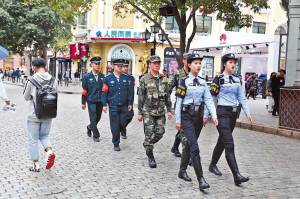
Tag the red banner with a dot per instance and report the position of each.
(79, 50)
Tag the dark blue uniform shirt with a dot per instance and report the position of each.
(92, 88)
(116, 92)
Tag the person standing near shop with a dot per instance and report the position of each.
(153, 98)
(192, 94)
(227, 91)
(92, 84)
(117, 94)
(182, 74)
(131, 82)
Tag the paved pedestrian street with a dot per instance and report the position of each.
(85, 169)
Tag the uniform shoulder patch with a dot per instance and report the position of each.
(181, 90)
(215, 86)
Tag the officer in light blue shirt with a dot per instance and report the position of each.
(227, 91)
(192, 94)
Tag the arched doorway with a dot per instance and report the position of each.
(122, 51)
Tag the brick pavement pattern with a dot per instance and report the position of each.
(85, 169)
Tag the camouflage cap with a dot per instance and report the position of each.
(186, 55)
(154, 58)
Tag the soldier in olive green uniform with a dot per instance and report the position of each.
(153, 98)
(182, 74)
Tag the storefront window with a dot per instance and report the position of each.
(259, 27)
(204, 24)
(171, 24)
(207, 67)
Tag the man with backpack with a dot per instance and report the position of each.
(41, 93)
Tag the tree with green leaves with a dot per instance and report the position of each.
(184, 12)
(35, 24)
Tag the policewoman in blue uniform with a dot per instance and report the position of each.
(131, 82)
(193, 99)
(92, 84)
(227, 91)
(116, 93)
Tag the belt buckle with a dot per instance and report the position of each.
(234, 109)
(196, 108)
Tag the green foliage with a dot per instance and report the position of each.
(37, 23)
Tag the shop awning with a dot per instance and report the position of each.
(3, 53)
(227, 39)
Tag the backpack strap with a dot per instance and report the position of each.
(51, 82)
(35, 82)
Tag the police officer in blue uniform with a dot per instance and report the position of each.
(227, 91)
(131, 82)
(116, 93)
(193, 99)
(92, 84)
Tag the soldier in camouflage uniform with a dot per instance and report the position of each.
(182, 74)
(153, 97)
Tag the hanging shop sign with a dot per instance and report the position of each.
(79, 50)
(117, 34)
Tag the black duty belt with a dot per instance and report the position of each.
(195, 108)
(229, 108)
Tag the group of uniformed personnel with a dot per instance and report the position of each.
(195, 103)
(116, 91)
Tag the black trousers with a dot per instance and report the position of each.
(227, 120)
(276, 98)
(192, 124)
(95, 112)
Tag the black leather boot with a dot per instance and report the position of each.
(151, 160)
(89, 131)
(214, 169)
(199, 173)
(239, 179)
(174, 149)
(231, 160)
(185, 157)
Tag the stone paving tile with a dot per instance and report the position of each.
(85, 169)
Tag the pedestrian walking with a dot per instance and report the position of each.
(182, 74)
(270, 100)
(3, 95)
(117, 94)
(227, 91)
(67, 77)
(192, 94)
(92, 84)
(59, 76)
(153, 98)
(41, 93)
(275, 88)
(253, 86)
(131, 82)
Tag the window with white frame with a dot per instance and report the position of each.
(171, 24)
(204, 24)
(259, 27)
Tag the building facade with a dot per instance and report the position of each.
(113, 37)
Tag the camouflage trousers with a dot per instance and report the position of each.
(154, 129)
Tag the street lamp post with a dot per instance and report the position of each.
(154, 30)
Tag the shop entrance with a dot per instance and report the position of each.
(121, 51)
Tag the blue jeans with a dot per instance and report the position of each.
(38, 131)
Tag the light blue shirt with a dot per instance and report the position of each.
(195, 95)
(231, 93)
